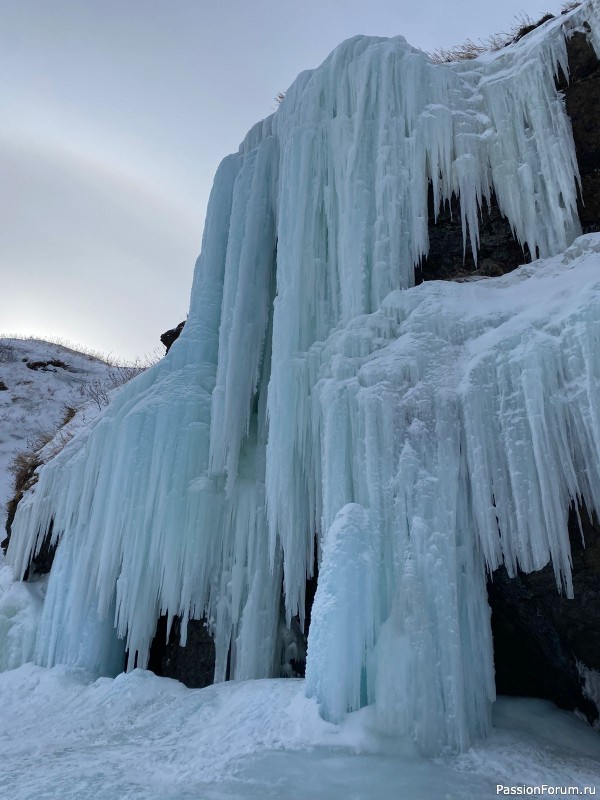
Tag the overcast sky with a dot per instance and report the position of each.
(114, 115)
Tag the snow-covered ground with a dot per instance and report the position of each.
(63, 735)
(35, 399)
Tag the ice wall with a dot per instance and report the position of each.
(412, 435)
(467, 418)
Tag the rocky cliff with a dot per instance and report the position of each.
(544, 643)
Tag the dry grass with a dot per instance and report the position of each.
(77, 349)
(521, 26)
(26, 462)
(23, 467)
(7, 352)
(460, 52)
(96, 355)
(98, 390)
(48, 443)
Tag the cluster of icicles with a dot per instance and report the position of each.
(415, 438)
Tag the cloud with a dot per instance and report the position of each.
(90, 250)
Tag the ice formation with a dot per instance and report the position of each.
(414, 437)
(139, 736)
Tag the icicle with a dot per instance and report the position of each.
(421, 435)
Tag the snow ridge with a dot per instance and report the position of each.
(419, 435)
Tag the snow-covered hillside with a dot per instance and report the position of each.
(39, 382)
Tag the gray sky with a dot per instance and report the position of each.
(114, 116)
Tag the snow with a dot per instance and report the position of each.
(35, 400)
(64, 735)
(421, 434)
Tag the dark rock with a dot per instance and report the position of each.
(293, 663)
(42, 561)
(447, 258)
(168, 337)
(48, 366)
(540, 636)
(528, 28)
(3, 387)
(490, 268)
(582, 97)
(499, 251)
(292, 641)
(194, 664)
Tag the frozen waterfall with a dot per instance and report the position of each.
(415, 436)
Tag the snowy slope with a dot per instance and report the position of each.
(35, 400)
(139, 737)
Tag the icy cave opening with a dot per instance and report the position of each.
(426, 434)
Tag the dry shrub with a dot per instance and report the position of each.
(98, 390)
(461, 52)
(22, 467)
(7, 352)
(25, 464)
(521, 26)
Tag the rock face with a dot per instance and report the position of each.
(194, 664)
(447, 260)
(540, 637)
(582, 96)
(168, 337)
(499, 251)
